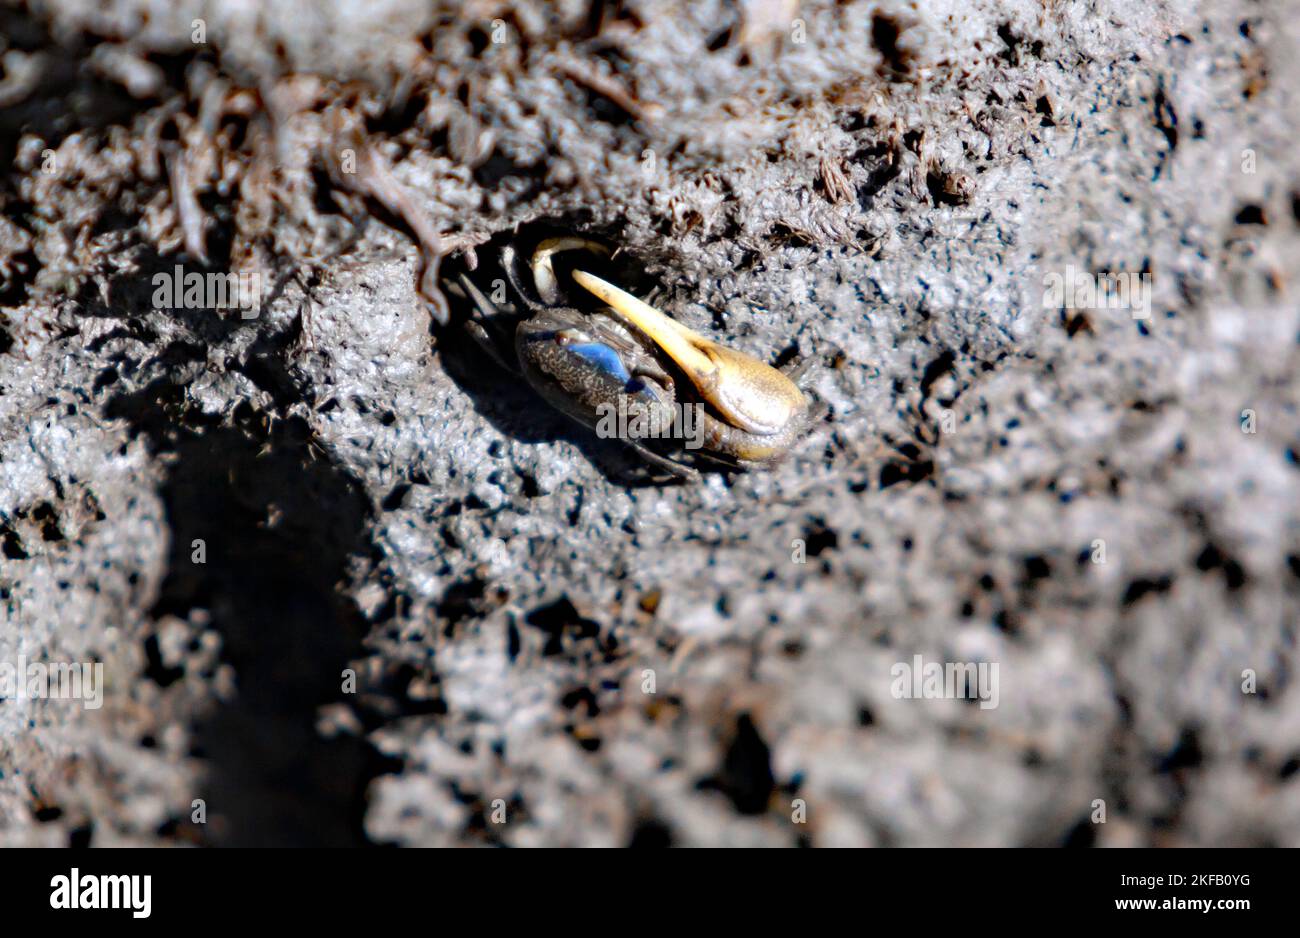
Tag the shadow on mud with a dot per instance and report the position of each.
(279, 524)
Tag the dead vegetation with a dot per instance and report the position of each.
(270, 145)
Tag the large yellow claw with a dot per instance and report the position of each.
(748, 393)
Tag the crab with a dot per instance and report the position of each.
(628, 355)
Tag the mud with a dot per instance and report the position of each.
(432, 611)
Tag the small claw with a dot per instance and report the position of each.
(748, 393)
(544, 271)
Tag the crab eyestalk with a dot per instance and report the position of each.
(746, 392)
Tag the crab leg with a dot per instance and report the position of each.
(748, 393)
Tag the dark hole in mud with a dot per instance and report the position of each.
(884, 37)
(893, 473)
(15, 289)
(884, 170)
(746, 775)
(11, 544)
(1043, 106)
(720, 40)
(818, 538)
(1143, 586)
(106, 378)
(393, 500)
(1166, 121)
(1251, 214)
(414, 691)
(1007, 622)
(1213, 558)
(478, 41)
(935, 370)
(45, 515)
(1075, 323)
(1186, 753)
(462, 600)
(1036, 568)
(48, 813)
(277, 523)
(559, 619)
(513, 641)
(529, 485)
(583, 696)
(399, 117)
(155, 669)
(1010, 40)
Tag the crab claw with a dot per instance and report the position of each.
(746, 392)
(544, 271)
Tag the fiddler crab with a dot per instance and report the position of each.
(617, 369)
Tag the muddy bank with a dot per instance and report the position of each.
(1100, 501)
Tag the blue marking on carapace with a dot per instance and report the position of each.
(603, 357)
